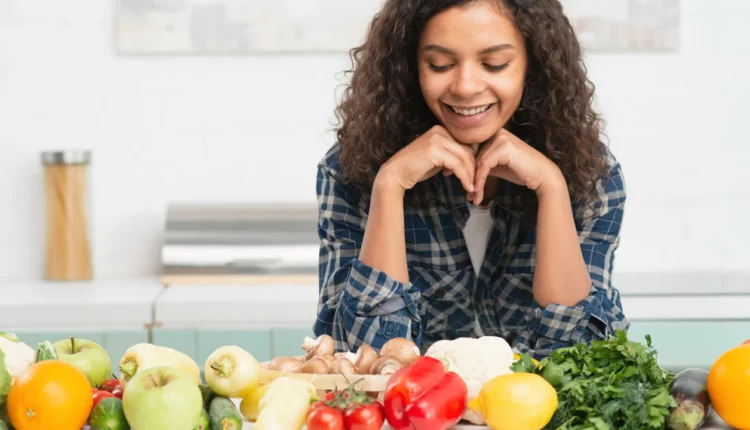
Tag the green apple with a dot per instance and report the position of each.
(162, 398)
(88, 356)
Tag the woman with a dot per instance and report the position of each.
(468, 193)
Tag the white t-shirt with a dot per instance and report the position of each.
(477, 234)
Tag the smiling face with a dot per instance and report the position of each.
(472, 64)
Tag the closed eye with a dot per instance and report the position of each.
(493, 68)
(437, 68)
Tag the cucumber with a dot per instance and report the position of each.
(208, 395)
(203, 423)
(45, 351)
(108, 415)
(224, 415)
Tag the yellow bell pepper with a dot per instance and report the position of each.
(285, 404)
(144, 356)
(250, 404)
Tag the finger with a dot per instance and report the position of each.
(447, 172)
(506, 173)
(450, 161)
(496, 155)
(465, 154)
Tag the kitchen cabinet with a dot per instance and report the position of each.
(681, 344)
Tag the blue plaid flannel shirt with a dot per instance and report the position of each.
(444, 299)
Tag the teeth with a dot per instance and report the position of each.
(469, 112)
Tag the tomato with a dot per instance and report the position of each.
(324, 417)
(364, 417)
(117, 392)
(100, 395)
(110, 384)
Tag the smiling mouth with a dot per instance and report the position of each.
(471, 110)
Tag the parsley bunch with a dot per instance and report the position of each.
(612, 384)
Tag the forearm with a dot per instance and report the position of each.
(561, 275)
(384, 243)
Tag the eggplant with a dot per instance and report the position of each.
(691, 394)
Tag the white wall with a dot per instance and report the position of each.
(252, 128)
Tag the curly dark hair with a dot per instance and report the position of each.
(383, 110)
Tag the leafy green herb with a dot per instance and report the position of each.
(612, 384)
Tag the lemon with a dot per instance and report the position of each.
(516, 401)
(249, 405)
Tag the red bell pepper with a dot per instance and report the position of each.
(424, 396)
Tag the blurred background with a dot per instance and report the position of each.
(205, 120)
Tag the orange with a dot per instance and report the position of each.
(729, 386)
(51, 394)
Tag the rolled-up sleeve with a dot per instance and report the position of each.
(600, 314)
(357, 304)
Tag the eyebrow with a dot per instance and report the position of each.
(444, 50)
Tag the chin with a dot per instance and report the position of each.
(472, 137)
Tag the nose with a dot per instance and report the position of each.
(468, 82)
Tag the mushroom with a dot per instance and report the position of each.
(402, 349)
(364, 359)
(285, 364)
(323, 345)
(347, 355)
(328, 358)
(315, 365)
(343, 366)
(385, 366)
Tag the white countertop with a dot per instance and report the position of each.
(126, 304)
(144, 301)
(246, 305)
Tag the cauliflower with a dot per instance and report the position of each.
(476, 361)
(18, 355)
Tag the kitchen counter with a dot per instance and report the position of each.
(97, 304)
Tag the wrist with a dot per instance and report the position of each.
(554, 183)
(387, 184)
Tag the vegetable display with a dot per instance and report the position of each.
(424, 396)
(690, 391)
(350, 409)
(144, 356)
(615, 383)
(17, 356)
(612, 384)
(231, 371)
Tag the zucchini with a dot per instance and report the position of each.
(45, 351)
(208, 395)
(224, 415)
(691, 394)
(203, 423)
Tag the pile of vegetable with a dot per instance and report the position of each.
(612, 384)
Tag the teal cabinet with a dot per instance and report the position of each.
(181, 340)
(199, 344)
(288, 341)
(681, 344)
(256, 342)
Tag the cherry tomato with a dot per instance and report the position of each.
(110, 384)
(364, 417)
(324, 417)
(117, 392)
(101, 395)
